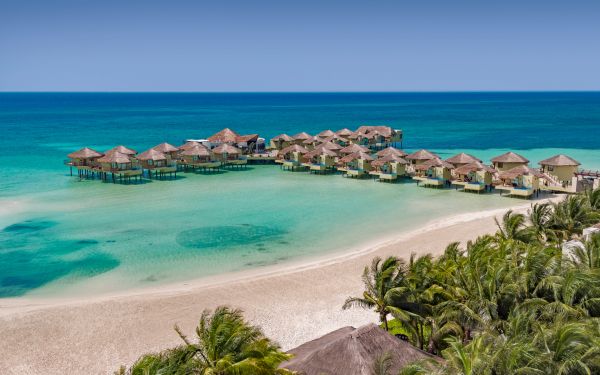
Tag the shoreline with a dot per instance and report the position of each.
(25, 303)
(292, 303)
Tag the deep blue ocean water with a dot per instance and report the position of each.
(60, 235)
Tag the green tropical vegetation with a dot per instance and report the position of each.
(509, 303)
(225, 345)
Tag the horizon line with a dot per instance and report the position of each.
(297, 92)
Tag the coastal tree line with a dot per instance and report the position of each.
(515, 302)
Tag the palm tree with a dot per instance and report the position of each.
(385, 292)
(225, 345)
(513, 227)
(540, 215)
(571, 216)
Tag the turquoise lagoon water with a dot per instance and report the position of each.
(60, 236)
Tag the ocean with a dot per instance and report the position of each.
(63, 237)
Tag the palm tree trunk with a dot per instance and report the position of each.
(383, 318)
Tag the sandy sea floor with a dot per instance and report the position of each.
(292, 302)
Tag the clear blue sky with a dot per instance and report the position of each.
(310, 45)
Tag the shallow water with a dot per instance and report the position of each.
(61, 236)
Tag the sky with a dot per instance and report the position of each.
(309, 45)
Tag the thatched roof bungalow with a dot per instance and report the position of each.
(474, 176)
(168, 149)
(420, 157)
(353, 351)
(391, 151)
(357, 164)
(320, 160)
(461, 159)
(344, 132)
(561, 168)
(153, 159)
(434, 172)
(352, 148)
(389, 167)
(292, 157)
(508, 161)
(519, 181)
(246, 143)
(229, 155)
(281, 141)
(326, 133)
(85, 157)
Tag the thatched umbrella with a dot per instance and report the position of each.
(462, 159)
(85, 153)
(123, 150)
(391, 151)
(352, 148)
(354, 351)
(560, 161)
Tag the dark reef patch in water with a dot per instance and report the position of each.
(29, 226)
(214, 237)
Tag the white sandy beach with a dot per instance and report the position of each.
(293, 302)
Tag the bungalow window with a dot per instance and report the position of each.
(550, 168)
(500, 165)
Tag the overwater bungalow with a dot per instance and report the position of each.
(391, 151)
(462, 159)
(508, 161)
(229, 155)
(247, 144)
(326, 133)
(520, 181)
(301, 137)
(344, 132)
(123, 150)
(330, 146)
(320, 160)
(189, 144)
(157, 164)
(292, 157)
(474, 176)
(561, 173)
(118, 167)
(337, 139)
(281, 141)
(377, 137)
(199, 156)
(388, 167)
(434, 172)
(355, 165)
(84, 161)
(312, 142)
(420, 157)
(353, 148)
(168, 149)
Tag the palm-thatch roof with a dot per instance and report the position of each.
(560, 161)
(326, 133)
(344, 132)
(421, 155)
(383, 130)
(115, 157)
(187, 145)
(293, 148)
(282, 137)
(462, 158)
(224, 136)
(521, 170)
(510, 157)
(122, 149)
(435, 162)
(350, 149)
(391, 151)
(320, 151)
(152, 154)
(196, 150)
(391, 158)
(357, 155)
(302, 136)
(335, 137)
(84, 153)
(330, 146)
(165, 147)
(227, 149)
(312, 140)
(352, 351)
(473, 167)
